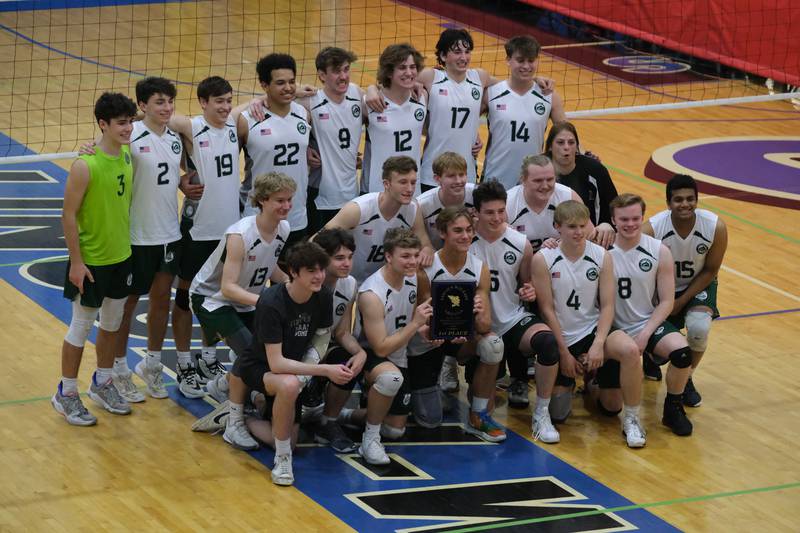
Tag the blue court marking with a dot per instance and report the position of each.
(319, 473)
(30, 5)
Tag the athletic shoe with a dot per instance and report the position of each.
(152, 379)
(482, 425)
(544, 430)
(218, 388)
(236, 435)
(125, 386)
(373, 452)
(107, 397)
(448, 376)
(312, 399)
(675, 418)
(633, 432)
(208, 371)
(518, 394)
(691, 398)
(72, 408)
(531, 362)
(282, 471)
(187, 382)
(215, 421)
(331, 433)
(651, 370)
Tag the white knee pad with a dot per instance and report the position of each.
(490, 349)
(426, 404)
(111, 313)
(698, 326)
(389, 383)
(392, 433)
(81, 323)
(561, 406)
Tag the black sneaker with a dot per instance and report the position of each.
(651, 370)
(675, 418)
(312, 395)
(518, 394)
(691, 398)
(332, 434)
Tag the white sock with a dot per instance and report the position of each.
(153, 358)
(630, 411)
(69, 385)
(184, 358)
(345, 415)
(479, 404)
(121, 365)
(371, 432)
(209, 354)
(542, 404)
(222, 383)
(237, 412)
(283, 447)
(102, 376)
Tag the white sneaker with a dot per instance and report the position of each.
(208, 371)
(153, 379)
(123, 381)
(373, 452)
(187, 382)
(108, 398)
(215, 421)
(634, 432)
(544, 430)
(282, 471)
(448, 376)
(236, 435)
(218, 388)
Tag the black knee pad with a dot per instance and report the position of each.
(657, 359)
(605, 411)
(182, 298)
(608, 375)
(681, 358)
(545, 347)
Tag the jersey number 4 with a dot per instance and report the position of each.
(574, 300)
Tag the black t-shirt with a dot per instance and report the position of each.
(279, 319)
(591, 180)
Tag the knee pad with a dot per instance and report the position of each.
(606, 412)
(657, 359)
(681, 358)
(111, 313)
(545, 347)
(389, 383)
(490, 349)
(238, 342)
(698, 325)
(426, 404)
(391, 432)
(182, 298)
(81, 324)
(560, 406)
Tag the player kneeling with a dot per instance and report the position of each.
(575, 288)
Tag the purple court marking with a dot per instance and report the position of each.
(765, 313)
(743, 162)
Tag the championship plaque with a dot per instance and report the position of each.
(452, 309)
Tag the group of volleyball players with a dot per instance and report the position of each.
(319, 277)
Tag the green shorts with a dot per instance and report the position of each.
(147, 261)
(193, 253)
(221, 322)
(661, 331)
(707, 297)
(110, 281)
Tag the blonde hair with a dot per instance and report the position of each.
(571, 211)
(268, 184)
(449, 161)
(400, 238)
(627, 199)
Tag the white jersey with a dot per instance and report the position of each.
(516, 129)
(337, 132)
(156, 176)
(259, 262)
(538, 227)
(369, 233)
(343, 294)
(215, 156)
(431, 205)
(454, 115)
(395, 131)
(279, 144)
(635, 272)
(504, 258)
(690, 253)
(575, 289)
(398, 310)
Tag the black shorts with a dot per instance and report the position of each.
(576, 349)
(193, 253)
(401, 405)
(147, 261)
(423, 370)
(338, 356)
(251, 370)
(270, 401)
(110, 281)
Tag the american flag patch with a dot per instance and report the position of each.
(501, 107)
(251, 258)
(324, 116)
(368, 231)
(383, 118)
(144, 149)
(266, 131)
(203, 144)
(556, 274)
(443, 92)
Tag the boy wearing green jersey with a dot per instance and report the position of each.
(97, 199)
